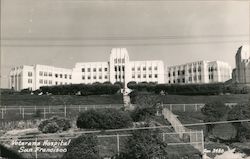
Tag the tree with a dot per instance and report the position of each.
(144, 144)
(241, 112)
(9, 153)
(83, 147)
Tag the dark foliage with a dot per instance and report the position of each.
(83, 147)
(9, 153)
(84, 89)
(104, 119)
(54, 125)
(141, 114)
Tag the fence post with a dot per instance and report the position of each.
(44, 112)
(36, 148)
(163, 137)
(23, 113)
(65, 111)
(35, 108)
(49, 109)
(118, 144)
(5, 109)
(171, 107)
(202, 142)
(196, 107)
(86, 108)
(2, 112)
(184, 107)
(79, 108)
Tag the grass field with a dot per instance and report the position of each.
(29, 100)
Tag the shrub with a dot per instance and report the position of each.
(224, 132)
(144, 144)
(9, 153)
(104, 119)
(141, 114)
(54, 124)
(83, 147)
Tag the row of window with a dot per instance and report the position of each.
(61, 83)
(94, 77)
(41, 73)
(29, 74)
(190, 79)
(119, 60)
(41, 81)
(94, 69)
(211, 69)
(119, 68)
(144, 68)
(63, 76)
(145, 76)
(182, 72)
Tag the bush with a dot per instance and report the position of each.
(54, 125)
(224, 132)
(83, 147)
(9, 153)
(142, 114)
(144, 144)
(104, 119)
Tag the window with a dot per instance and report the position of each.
(94, 69)
(144, 68)
(190, 79)
(116, 76)
(199, 77)
(183, 72)
(61, 76)
(119, 76)
(138, 68)
(133, 76)
(178, 72)
(56, 83)
(45, 82)
(41, 81)
(83, 77)
(139, 76)
(199, 69)
(115, 60)
(29, 74)
(169, 81)
(183, 80)
(83, 69)
(100, 77)
(169, 74)
(156, 76)
(133, 69)
(41, 73)
(29, 80)
(89, 77)
(56, 75)
(88, 69)
(178, 80)
(50, 74)
(173, 73)
(115, 68)
(156, 68)
(144, 76)
(123, 68)
(61, 83)
(70, 76)
(106, 69)
(119, 60)
(123, 60)
(45, 74)
(190, 70)
(195, 78)
(150, 68)
(65, 76)
(119, 68)
(100, 69)
(94, 77)
(106, 77)
(194, 69)
(50, 82)
(123, 76)
(150, 76)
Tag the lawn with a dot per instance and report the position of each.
(29, 100)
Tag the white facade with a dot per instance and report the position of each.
(241, 73)
(119, 68)
(33, 77)
(199, 72)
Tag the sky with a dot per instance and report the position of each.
(63, 32)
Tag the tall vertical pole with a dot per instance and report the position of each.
(65, 111)
(118, 144)
(23, 112)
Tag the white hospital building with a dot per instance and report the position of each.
(199, 72)
(119, 68)
(241, 74)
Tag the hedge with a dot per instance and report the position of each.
(188, 89)
(104, 119)
(82, 89)
(54, 124)
(9, 153)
